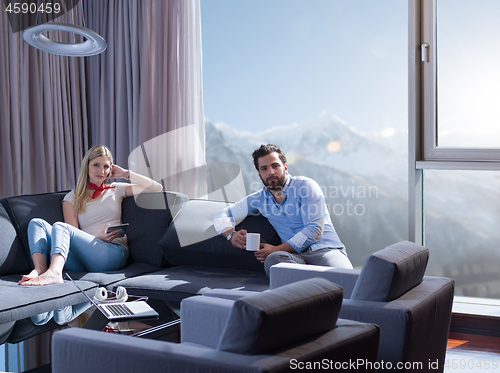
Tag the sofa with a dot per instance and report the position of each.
(174, 253)
(293, 327)
(391, 291)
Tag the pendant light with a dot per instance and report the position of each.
(94, 44)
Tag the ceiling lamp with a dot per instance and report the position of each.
(94, 44)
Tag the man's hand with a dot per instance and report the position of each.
(239, 239)
(264, 251)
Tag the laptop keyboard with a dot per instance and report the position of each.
(119, 309)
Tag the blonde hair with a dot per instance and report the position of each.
(82, 186)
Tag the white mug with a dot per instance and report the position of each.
(253, 241)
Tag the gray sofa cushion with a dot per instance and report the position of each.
(108, 279)
(47, 206)
(149, 215)
(176, 283)
(14, 258)
(18, 302)
(266, 322)
(391, 272)
(192, 240)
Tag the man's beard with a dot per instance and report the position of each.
(277, 184)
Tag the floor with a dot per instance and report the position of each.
(472, 353)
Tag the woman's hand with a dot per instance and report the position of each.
(118, 173)
(139, 183)
(107, 237)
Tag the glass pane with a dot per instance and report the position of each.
(468, 73)
(461, 229)
(327, 81)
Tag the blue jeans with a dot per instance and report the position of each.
(61, 316)
(82, 251)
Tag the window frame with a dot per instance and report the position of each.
(423, 152)
(431, 150)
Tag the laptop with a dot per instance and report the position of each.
(121, 311)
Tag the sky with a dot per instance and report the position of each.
(468, 35)
(270, 63)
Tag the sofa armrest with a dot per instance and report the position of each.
(228, 293)
(286, 273)
(77, 350)
(415, 325)
(203, 319)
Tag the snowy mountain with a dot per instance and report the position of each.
(364, 179)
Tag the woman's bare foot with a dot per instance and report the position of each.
(30, 276)
(47, 278)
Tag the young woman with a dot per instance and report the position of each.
(81, 242)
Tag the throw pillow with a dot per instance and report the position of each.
(282, 317)
(391, 272)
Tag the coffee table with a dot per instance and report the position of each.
(86, 316)
(166, 327)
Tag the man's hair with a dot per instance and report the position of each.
(266, 150)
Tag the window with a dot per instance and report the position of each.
(461, 80)
(327, 81)
(454, 128)
(461, 229)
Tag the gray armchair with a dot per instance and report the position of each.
(391, 291)
(280, 330)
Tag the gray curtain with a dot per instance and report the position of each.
(43, 124)
(143, 93)
(147, 94)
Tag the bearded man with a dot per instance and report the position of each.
(295, 206)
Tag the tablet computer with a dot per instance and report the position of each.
(121, 227)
